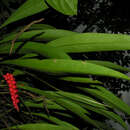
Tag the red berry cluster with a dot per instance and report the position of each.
(13, 89)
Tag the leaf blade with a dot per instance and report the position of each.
(65, 67)
(108, 97)
(66, 7)
(109, 65)
(30, 7)
(92, 42)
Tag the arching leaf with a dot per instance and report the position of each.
(81, 80)
(92, 42)
(67, 7)
(109, 65)
(108, 98)
(29, 8)
(41, 126)
(34, 47)
(39, 35)
(65, 67)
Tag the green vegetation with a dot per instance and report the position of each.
(60, 90)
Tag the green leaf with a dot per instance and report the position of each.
(109, 65)
(65, 67)
(92, 42)
(29, 8)
(23, 37)
(67, 115)
(41, 126)
(46, 94)
(55, 120)
(81, 80)
(106, 113)
(30, 55)
(109, 98)
(67, 7)
(49, 105)
(39, 35)
(76, 109)
(52, 34)
(59, 99)
(41, 27)
(82, 98)
(18, 72)
(34, 47)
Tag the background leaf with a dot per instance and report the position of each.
(108, 98)
(67, 7)
(39, 35)
(92, 42)
(41, 26)
(65, 67)
(109, 65)
(34, 47)
(81, 80)
(55, 120)
(29, 8)
(41, 126)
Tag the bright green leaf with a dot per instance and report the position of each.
(41, 126)
(41, 27)
(49, 105)
(107, 114)
(55, 120)
(76, 109)
(109, 65)
(81, 80)
(67, 7)
(29, 8)
(35, 47)
(82, 98)
(109, 98)
(92, 42)
(64, 67)
(39, 35)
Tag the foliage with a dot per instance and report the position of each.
(50, 79)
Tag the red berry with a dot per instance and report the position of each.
(13, 89)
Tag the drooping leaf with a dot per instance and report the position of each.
(52, 34)
(18, 72)
(55, 120)
(108, 98)
(76, 109)
(47, 94)
(109, 65)
(30, 55)
(81, 80)
(23, 37)
(65, 67)
(32, 27)
(41, 27)
(67, 115)
(107, 114)
(41, 126)
(67, 7)
(49, 105)
(82, 98)
(39, 35)
(92, 42)
(29, 8)
(34, 47)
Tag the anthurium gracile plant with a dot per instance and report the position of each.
(42, 54)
